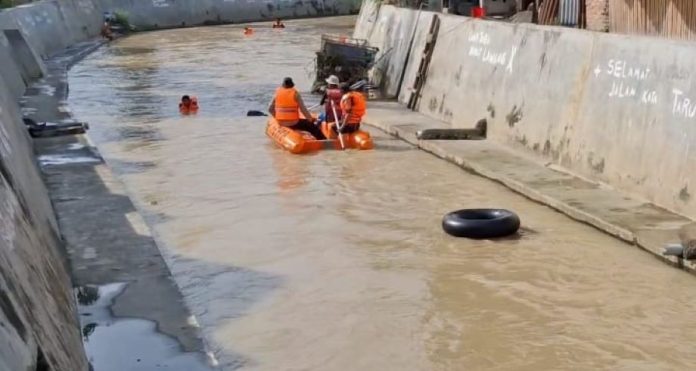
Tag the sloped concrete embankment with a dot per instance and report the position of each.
(38, 320)
(615, 109)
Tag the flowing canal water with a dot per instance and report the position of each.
(337, 261)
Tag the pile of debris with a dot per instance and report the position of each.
(52, 129)
(349, 59)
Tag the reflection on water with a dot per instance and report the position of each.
(118, 344)
(337, 261)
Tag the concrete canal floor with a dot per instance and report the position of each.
(334, 261)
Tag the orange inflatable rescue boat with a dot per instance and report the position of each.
(299, 142)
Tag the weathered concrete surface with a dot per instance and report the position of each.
(616, 109)
(38, 318)
(629, 218)
(10, 72)
(52, 25)
(394, 31)
(177, 13)
(107, 240)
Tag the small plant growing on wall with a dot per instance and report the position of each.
(121, 19)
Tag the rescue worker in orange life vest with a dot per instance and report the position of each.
(188, 104)
(286, 107)
(278, 23)
(333, 95)
(353, 106)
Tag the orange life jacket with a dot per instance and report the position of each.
(358, 107)
(333, 95)
(191, 107)
(286, 106)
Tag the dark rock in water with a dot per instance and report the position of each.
(50, 129)
(255, 113)
(454, 134)
(674, 250)
(687, 235)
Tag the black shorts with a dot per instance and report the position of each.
(347, 129)
(306, 125)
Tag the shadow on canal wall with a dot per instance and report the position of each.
(614, 108)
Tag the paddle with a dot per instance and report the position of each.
(260, 113)
(338, 128)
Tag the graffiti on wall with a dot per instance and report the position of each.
(626, 81)
(633, 82)
(481, 50)
(160, 3)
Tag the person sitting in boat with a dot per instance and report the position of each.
(286, 106)
(278, 23)
(353, 106)
(188, 104)
(248, 30)
(331, 100)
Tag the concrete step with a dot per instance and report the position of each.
(631, 219)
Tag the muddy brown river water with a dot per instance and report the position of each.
(337, 261)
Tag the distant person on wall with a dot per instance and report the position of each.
(278, 23)
(106, 31)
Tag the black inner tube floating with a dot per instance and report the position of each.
(481, 223)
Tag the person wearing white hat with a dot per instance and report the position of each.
(331, 95)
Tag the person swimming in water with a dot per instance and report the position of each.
(278, 23)
(188, 105)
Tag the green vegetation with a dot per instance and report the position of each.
(11, 3)
(121, 19)
(6, 3)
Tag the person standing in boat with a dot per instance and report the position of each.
(331, 100)
(286, 106)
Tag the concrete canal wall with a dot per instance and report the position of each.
(613, 108)
(38, 318)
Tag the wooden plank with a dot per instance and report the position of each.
(424, 65)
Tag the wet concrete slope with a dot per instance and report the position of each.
(38, 318)
(614, 108)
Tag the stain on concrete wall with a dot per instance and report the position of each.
(37, 311)
(618, 109)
